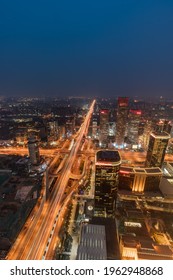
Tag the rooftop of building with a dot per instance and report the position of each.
(139, 170)
(126, 169)
(166, 187)
(151, 170)
(162, 134)
(93, 243)
(139, 229)
(111, 236)
(104, 111)
(155, 252)
(32, 139)
(108, 156)
(146, 247)
(170, 163)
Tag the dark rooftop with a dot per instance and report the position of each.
(108, 156)
(153, 170)
(126, 169)
(163, 133)
(111, 236)
(93, 243)
(140, 170)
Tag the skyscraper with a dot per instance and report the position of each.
(133, 125)
(33, 150)
(94, 125)
(163, 125)
(145, 137)
(156, 149)
(122, 114)
(104, 128)
(106, 181)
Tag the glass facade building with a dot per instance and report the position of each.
(104, 128)
(156, 149)
(106, 181)
(122, 115)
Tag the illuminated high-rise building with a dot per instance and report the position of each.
(167, 126)
(53, 129)
(104, 128)
(145, 137)
(106, 181)
(95, 125)
(94, 129)
(133, 125)
(122, 115)
(33, 150)
(156, 149)
(163, 125)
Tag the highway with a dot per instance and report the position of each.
(33, 240)
(135, 158)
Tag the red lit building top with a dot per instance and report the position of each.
(123, 101)
(136, 112)
(104, 111)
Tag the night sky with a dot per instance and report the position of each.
(86, 48)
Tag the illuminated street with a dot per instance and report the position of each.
(34, 238)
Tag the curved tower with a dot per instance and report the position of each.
(106, 181)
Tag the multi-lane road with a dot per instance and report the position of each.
(132, 157)
(33, 241)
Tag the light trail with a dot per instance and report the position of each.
(33, 243)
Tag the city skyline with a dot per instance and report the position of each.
(121, 48)
(75, 185)
(86, 131)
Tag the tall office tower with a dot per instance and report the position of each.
(33, 150)
(94, 129)
(148, 128)
(106, 182)
(167, 126)
(139, 179)
(133, 125)
(122, 114)
(53, 129)
(141, 128)
(156, 149)
(159, 126)
(163, 125)
(104, 128)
